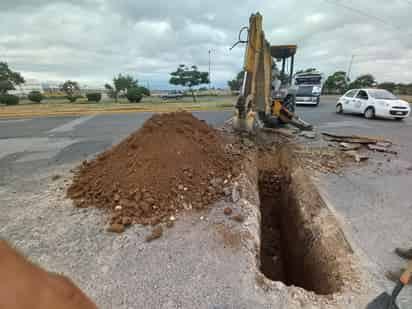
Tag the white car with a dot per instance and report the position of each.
(373, 103)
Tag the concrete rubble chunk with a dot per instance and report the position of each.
(357, 156)
(349, 146)
(308, 134)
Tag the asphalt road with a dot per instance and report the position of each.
(373, 199)
(29, 145)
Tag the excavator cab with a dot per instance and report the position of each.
(283, 54)
(283, 93)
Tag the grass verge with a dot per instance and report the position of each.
(60, 107)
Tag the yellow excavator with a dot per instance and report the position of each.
(267, 97)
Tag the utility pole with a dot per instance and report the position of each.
(350, 68)
(210, 60)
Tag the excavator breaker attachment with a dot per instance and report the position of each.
(288, 117)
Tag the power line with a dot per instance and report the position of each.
(363, 13)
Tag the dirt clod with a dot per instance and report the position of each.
(127, 221)
(116, 228)
(228, 211)
(173, 161)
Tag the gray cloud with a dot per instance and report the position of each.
(93, 40)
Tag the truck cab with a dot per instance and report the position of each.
(308, 88)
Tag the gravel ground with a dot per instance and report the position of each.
(205, 261)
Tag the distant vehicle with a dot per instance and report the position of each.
(308, 88)
(173, 95)
(373, 103)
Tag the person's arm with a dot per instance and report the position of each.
(25, 285)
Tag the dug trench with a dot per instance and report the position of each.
(301, 242)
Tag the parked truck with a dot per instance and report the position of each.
(308, 87)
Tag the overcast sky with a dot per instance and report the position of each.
(91, 40)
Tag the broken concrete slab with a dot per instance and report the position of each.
(354, 138)
(380, 148)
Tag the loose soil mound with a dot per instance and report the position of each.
(173, 162)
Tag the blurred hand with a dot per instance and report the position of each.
(24, 285)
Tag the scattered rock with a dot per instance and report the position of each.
(116, 228)
(227, 191)
(157, 232)
(238, 218)
(187, 206)
(308, 134)
(216, 182)
(228, 211)
(56, 177)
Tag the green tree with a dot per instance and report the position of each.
(9, 99)
(189, 77)
(94, 97)
(390, 86)
(134, 94)
(72, 90)
(8, 78)
(236, 84)
(121, 83)
(145, 91)
(403, 89)
(337, 83)
(35, 96)
(363, 81)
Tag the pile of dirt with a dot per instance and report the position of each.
(174, 162)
